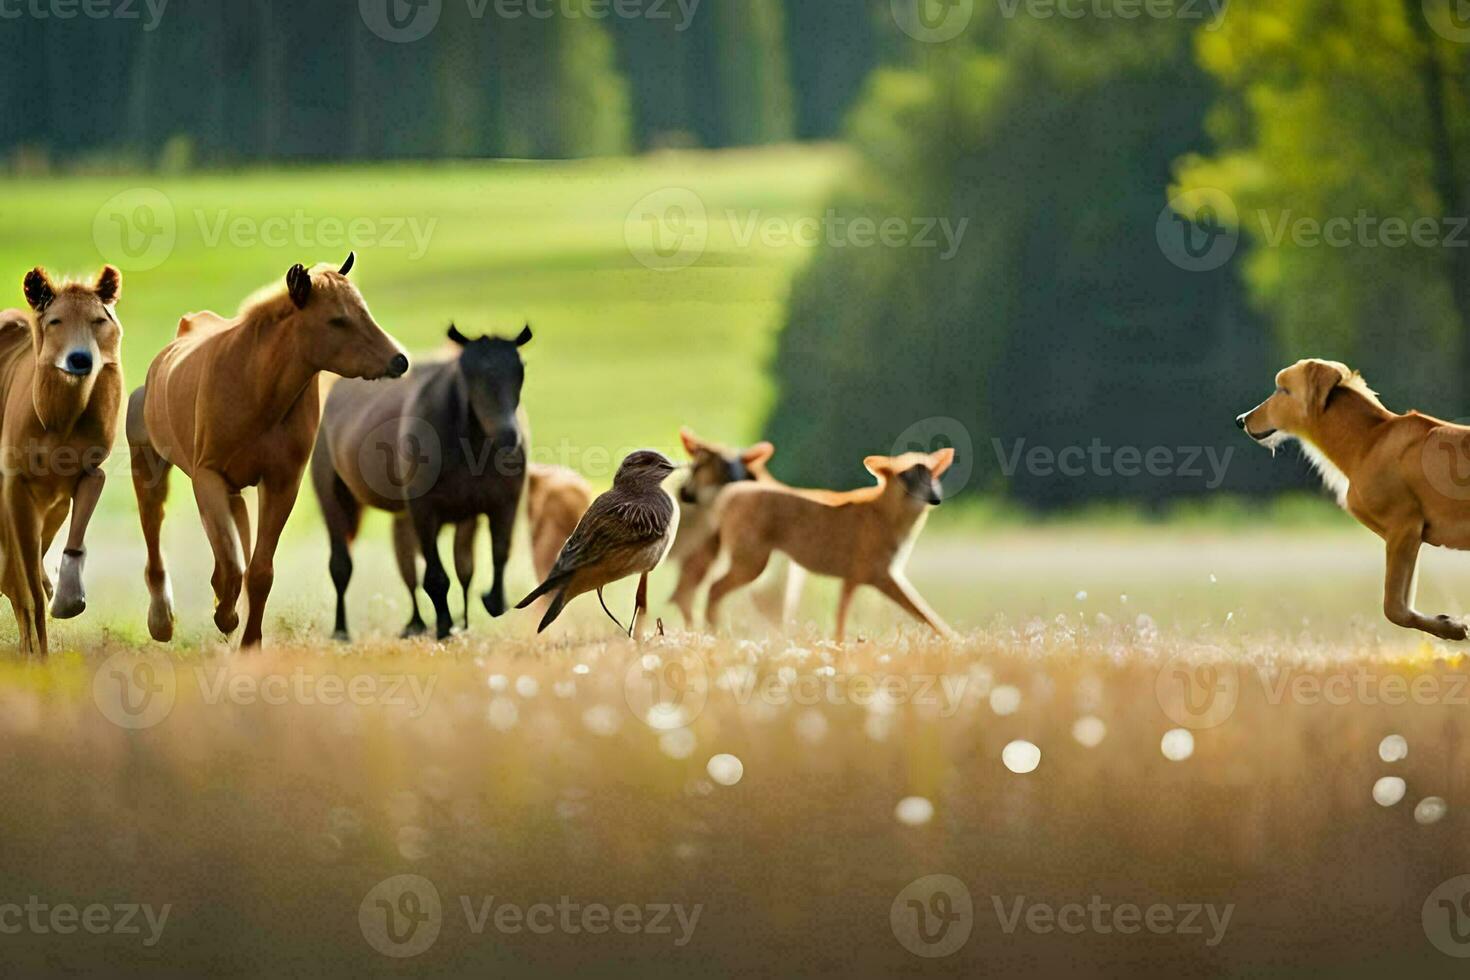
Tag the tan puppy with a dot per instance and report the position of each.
(712, 468)
(1402, 476)
(556, 499)
(862, 537)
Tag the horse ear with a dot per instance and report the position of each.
(298, 284)
(525, 336)
(109, 286)
(458, 337)
(347, 266)
(38, 288)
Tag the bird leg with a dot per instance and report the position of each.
(609, 611)
(640, 604)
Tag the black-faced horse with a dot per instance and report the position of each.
(442, 446)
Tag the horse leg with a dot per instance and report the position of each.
(406, 550)
(50, 527)
(70, 598)
(23, 568)
(240, 514)
(276, 500)
(502, 530)
(150, 485)
(436, 580)
(464, 559)
(213, 494)
(343, 515)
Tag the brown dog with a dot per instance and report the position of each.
(61, 374)
(862, 537)
(1399, 475)
(712, 468)
(556, 499)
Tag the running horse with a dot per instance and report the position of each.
(443, 446)
(61, 378)
(235, 404)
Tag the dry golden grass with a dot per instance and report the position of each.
(581, 766)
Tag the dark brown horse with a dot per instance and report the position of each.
(61, 384)
(235, 404)
(443, 446)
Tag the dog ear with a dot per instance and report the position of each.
(38, 289)
(298, 284)
(524, 337)
(941, 460)
(879, 466)
(1321, 379)
(109, 286)
(760, 453)
(691, 441)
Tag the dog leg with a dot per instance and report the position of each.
(844, 603)
(898, 588)
(1398, 588)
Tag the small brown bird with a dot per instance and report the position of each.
(627, 531)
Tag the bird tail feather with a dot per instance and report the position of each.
(550, 585)
(557, 605)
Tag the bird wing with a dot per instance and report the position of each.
(615, 521)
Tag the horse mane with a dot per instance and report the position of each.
(271, 303)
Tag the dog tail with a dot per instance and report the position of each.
(557, 605)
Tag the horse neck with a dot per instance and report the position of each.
(58, 402)
(271, 356)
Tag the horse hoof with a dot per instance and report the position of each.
(341, 636)
(444, 632)
(494, 604)
(161, 624)
(225, 620)
(68, 607)
(413, 630)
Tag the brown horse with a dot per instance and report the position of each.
(62, 381)
(235, 404)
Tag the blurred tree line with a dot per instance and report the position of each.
(1069, 316)
(308, 79)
